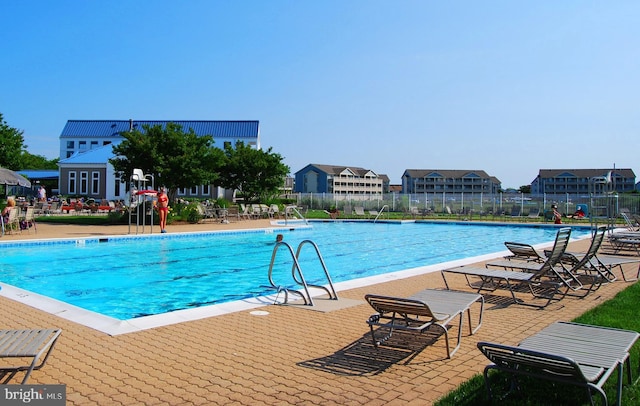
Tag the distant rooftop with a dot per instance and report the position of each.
(39, 173)
(106, 128)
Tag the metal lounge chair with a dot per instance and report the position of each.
(423, 310)
(570, 353)
(26, 345)
(534, 214)
(602, 263)
(625, 241)
(359, 211)
(515, 211)
(536, 280)
(606, 263)
(524, 252)
(571, 275)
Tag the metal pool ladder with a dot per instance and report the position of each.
(298, 276)
(380, 212)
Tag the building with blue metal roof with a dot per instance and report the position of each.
(83, 135)
(87, 145)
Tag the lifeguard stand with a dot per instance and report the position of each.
(604, 201)
(141, 187)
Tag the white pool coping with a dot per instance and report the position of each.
(113, 326)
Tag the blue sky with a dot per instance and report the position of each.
(509, 87)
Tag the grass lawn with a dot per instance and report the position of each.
(619, 312)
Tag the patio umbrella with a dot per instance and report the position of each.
(11, 178)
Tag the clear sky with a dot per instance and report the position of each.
(509, 87)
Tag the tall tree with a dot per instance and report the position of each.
(257, 174)
(11, 146)
(175, 158)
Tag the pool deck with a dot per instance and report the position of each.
(288, 356)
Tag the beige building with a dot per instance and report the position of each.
(340, 180)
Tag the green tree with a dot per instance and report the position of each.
(175, 158)
(30, 161)
(526, 189)
(11, 146)
(257, 174)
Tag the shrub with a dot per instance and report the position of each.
(193, 214)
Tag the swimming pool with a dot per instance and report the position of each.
(135, 276)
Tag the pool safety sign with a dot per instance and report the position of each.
(36, 395)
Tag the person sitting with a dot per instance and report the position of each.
(11, 204)
(579, 213)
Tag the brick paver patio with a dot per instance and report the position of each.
(290, 356)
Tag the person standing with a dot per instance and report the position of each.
(163, 208)
(557, 217)
(42, 194)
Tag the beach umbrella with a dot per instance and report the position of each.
(11, 178)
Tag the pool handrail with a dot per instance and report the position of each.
(298, 275)
(296, 266)
(380, 212)
(332, 293)
(295, 209)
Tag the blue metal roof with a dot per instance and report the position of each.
(106, 128)
(39, 173)
(101, 154)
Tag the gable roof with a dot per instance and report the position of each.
(107, 128)
(448, 173)
(584, 173)
(96, 155)
(337, 170)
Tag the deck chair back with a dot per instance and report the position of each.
(539, 365)
(596, 242)
(401, 306)
(559, 247)
(523, 251)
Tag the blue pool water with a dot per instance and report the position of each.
(126, 277)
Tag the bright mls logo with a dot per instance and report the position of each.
(37, 395)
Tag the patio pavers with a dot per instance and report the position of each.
(290, 356)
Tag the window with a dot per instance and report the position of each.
(194, 190)
(205, 190)
(94, 144)
(227, 144)
(82, 145)
(84, 183)
(116, 189)
(72, 183)
(106, 142)
(95, 183)
(69, 153)
(71, 144)
(182, 191)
